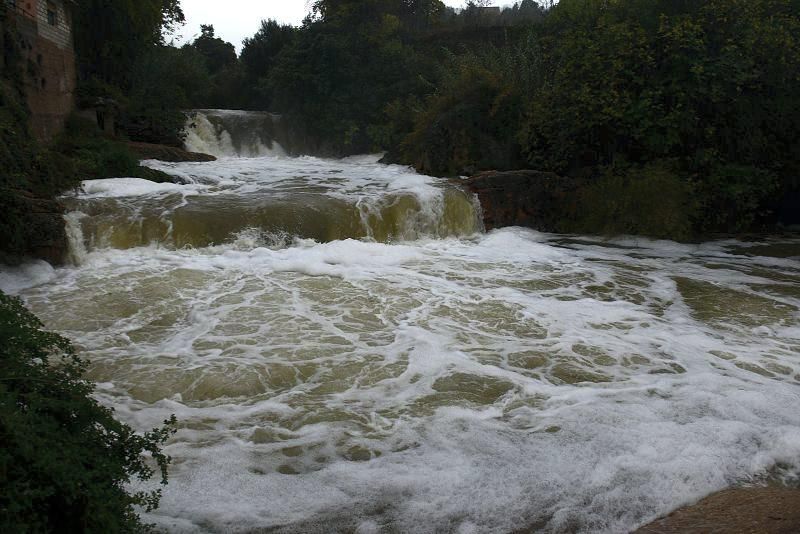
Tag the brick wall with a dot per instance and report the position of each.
(51, 76)
(54, 23)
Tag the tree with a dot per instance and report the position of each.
(65, 461)
(109, 36)
(349, 60)
(259, 57)
(218, 54)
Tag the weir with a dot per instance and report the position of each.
(256, 190)
(233, 133)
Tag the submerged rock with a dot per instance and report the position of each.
(157, 176)
(167, 153)
(534, 199)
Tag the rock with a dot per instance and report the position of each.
(37, 226)
(534, 199)
(167, 153)
(159, 177)
(767, 510)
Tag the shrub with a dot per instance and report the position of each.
(470, 123)
(734, 198)
(65, 460)
(93, 156)
(652, 201)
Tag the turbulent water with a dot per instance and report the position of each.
(346, 351)
(222, 132)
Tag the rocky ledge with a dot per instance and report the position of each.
(33, 227)
(167, 153)
(534, 199)
(736, 511)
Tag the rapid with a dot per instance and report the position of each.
(347, 350)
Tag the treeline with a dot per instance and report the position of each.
(683, 117)
(334, 75)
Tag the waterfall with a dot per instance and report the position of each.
(232, 133)
(76, 253)
(304, 197)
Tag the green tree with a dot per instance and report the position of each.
(259, 57)
(218, 54)
(168, 81)
(65, 461)
(110, 36)
(348, 61)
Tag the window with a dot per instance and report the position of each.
(52, 14)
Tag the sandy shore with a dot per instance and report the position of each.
(736, 511)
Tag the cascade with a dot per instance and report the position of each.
(254, 189)
(233, 133)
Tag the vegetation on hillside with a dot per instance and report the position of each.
(617, 93)
(633, 96)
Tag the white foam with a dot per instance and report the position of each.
(349, 178)
(16, 279)
(503, 381)
(130, 187)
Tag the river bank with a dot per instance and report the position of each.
(764, 510)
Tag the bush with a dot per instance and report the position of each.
(652, 201)
(93, 156)
(734, 198)
(65, 460)
(469, 124)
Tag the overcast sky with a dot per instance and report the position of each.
(234, 20)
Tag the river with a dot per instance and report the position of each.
(346, 350)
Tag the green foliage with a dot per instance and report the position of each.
(259, 57)
(471, 120)
(111, 36)
(168, 80)
(469, 123)
(91, 155)
(587, 107)
(713, 87)
(652, 200)
(348, 61)
(122, 56)
(93, 90)
(16, 150)
(215, 77)
(734, 197)
(65, 460)
(94, 155)
(217, 53)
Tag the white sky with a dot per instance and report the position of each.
(234, 20)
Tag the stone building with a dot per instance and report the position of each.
(45, 30)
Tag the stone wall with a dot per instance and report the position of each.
(45, 32)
